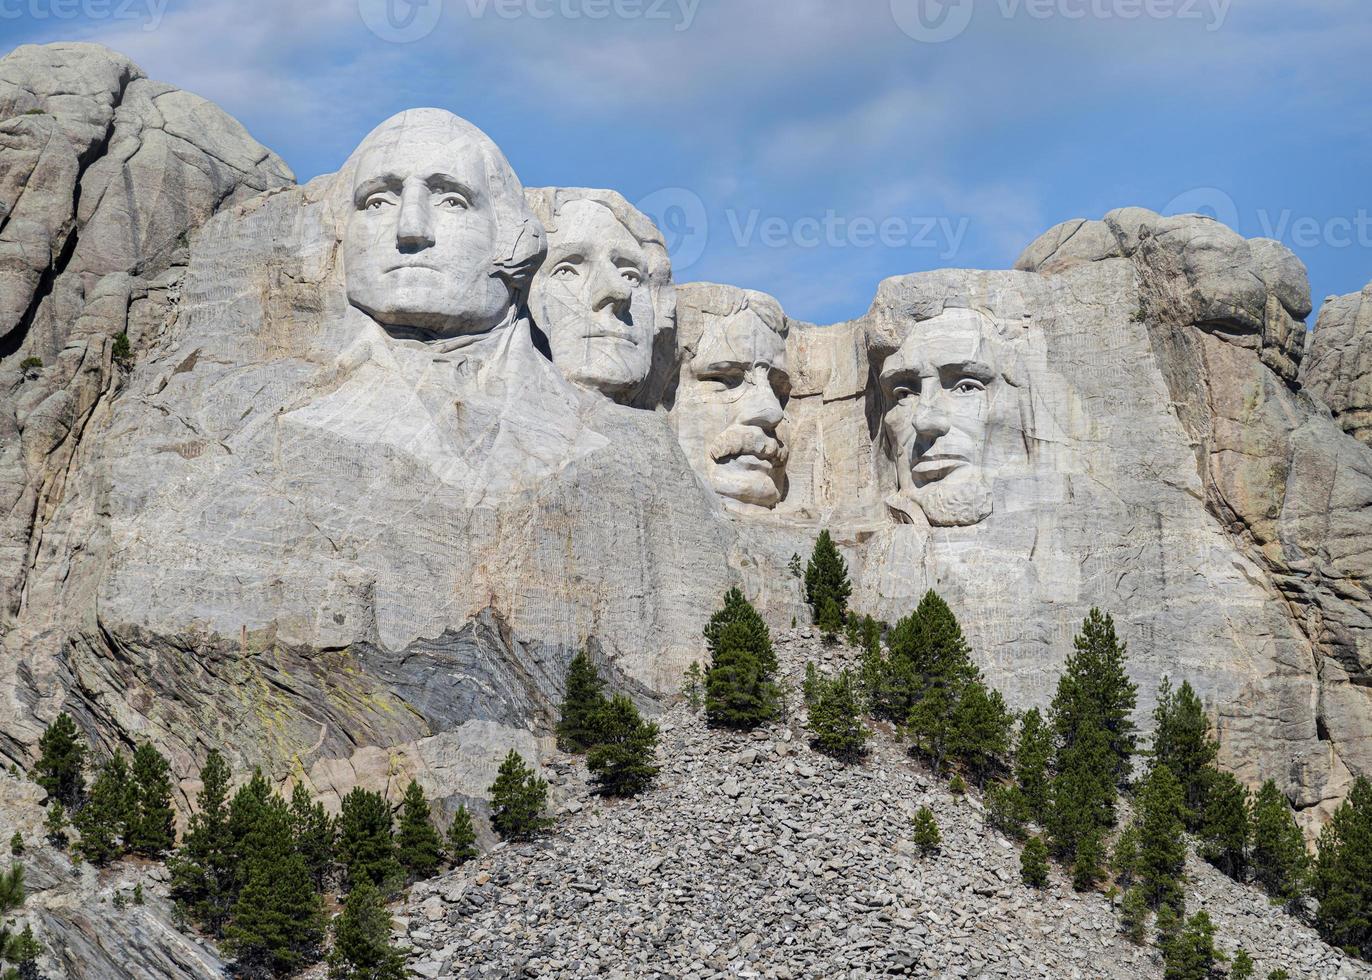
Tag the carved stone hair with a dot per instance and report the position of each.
(520, 240)
(699, 303)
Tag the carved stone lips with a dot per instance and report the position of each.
(413, 265)
(934, 465)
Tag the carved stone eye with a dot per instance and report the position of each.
(631, 275)
(565, 270)
(453, 202)
(968, 386)
(376, 202)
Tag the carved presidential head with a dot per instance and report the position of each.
(604, 291)
(438, 242)
(950, 404)
(732, 393)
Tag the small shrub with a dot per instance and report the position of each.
(30, 364)
(957, 785)
(927, 837)
(122, 351)
(17, 844)
(1033, 863)
(518, 797)
(462, 837)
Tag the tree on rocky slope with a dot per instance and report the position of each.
(1278, 857)
(1343, 874)
(623, 763)
(518, 798)
(315, 833)
(1162, 840)
(278, 922)
(1095, 692)
(1224, 825)
(1182, 741)
(366, 842)
(826, 580)
(418, 846)
(1033, 863)
(153, 830)
(1033, 752)
(462, 837)
(202, 870)
(362, 948)
(835, 721)
(581, 705)
(740, 692)
(926, 833)
(108, 813)
(62, 756)
(1191, 954)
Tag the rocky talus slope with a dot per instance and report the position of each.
(756, 856)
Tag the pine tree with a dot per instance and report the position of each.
(1082, 793)
(1192, 954)
(829, 620)
(836, 727)
(1088, 865)
(202, 870)
(1182, 741)
(60, 763)
(693, 686)
(418, 846)
(1124, 859)
(1134, 915)
(1278, 858)
(1033, 752)
(366, 846)
(21, 950)
(314, 832)
(1095, 693)
(246, 810)
(362, 948)
(927, 654)
(826, 578)
(55, 826)
(278, 922)
(1162, 841)
(462, 837)
(624, 763)
(153, 832)
(1242, 967)
(926, 833)
(1007, 810)
(981, 724)
(1343, 874)
(1033, 863)
(576, 731)
(105, 819)
(518, 798)
(1224, 827)
(739, 689)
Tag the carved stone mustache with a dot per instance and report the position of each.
(748, 441)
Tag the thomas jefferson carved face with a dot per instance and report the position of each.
(438, 237)
(730, 402)
(593, 299)
(944, 390)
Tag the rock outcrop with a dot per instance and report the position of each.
(387, 448)
(1338, 362)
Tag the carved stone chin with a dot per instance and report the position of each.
(951, 504)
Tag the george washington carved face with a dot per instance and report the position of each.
(945, 392)
(438, 242)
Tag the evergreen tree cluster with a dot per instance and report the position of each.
(620, 746)
(835, 714)
(18, 949)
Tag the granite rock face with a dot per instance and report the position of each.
(1338, 362)
(396, 443)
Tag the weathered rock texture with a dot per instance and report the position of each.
(1338, 363)
(349, 536)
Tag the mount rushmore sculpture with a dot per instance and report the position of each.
(394, 444)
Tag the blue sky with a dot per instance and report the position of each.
(811, 148)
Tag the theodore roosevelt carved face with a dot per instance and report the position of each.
(944, 393)
(604, 291)
(438, 242)
(731, 399)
